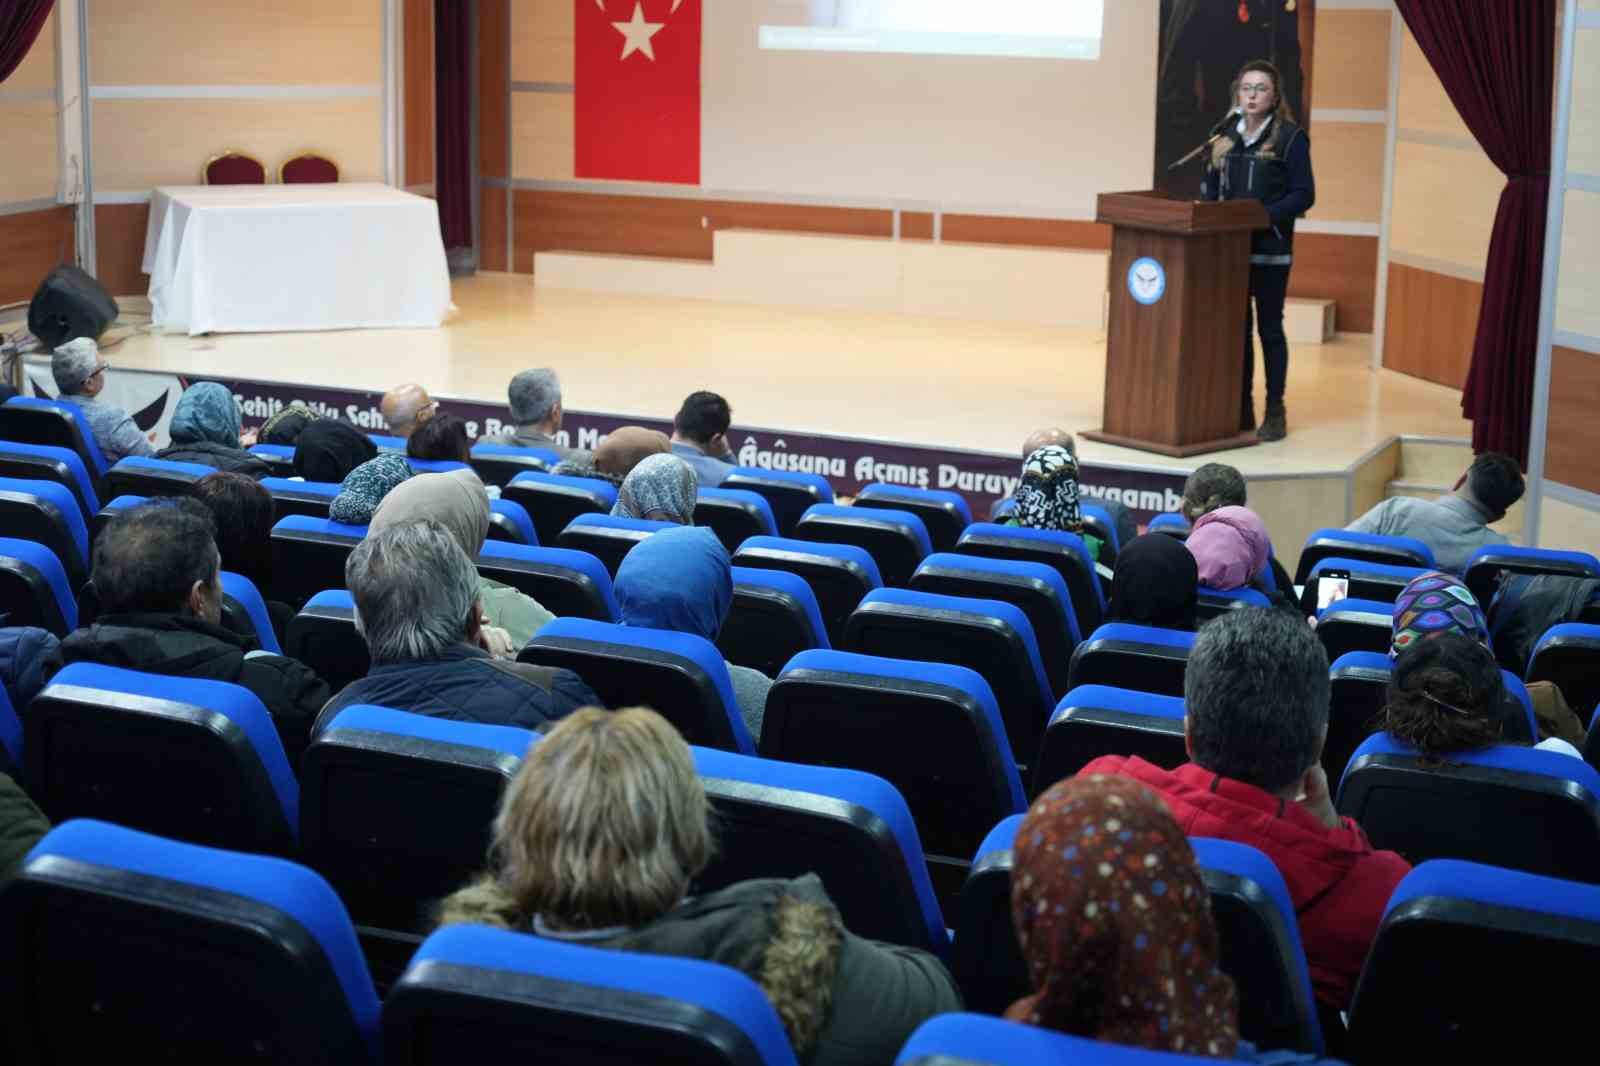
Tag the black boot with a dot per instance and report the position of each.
(1247, 414)
(1275, 425)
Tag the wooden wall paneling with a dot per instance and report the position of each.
(1334, 266)
(543, 136)
(1445, 201)
(494, 88)
(1583, 122)
(916, 225)
(119, 248)
(543, 34)
(1424, 106)
(417, 75)
(1306, 28)
(1432, 321)
(1352, 59)
(28, 141)
(1578, 284)
(492, 250)
(1573, 440)
(38, 68)
(1349, 168)
(36, 242)
(1044, 232)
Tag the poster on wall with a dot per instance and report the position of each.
(1203, 45)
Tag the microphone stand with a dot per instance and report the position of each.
(1209, 141)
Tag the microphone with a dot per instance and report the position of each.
(1227, 121)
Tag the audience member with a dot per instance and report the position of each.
(1127, 525)
(1256, 698)
(621, 450)
(700, 437)
(242, 517)
(416, 597)
(681, 580)
(535, 399)
(364, 488)
(1457, 525)
(599, 838)
(662, 488)
(1230, 548)
(458, 501)
(156, 573)
(205, 430)
(1047, 498)
(328, 449)
(442, 438)
(406, 407)
(1525, 606)
(22, 825)
(24, 651)
(1217, 485)
(1156, 583)
(286, 426)
(80, 376)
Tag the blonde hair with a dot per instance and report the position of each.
(605, 824)
(1281, 111)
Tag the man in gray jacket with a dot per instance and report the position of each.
(80, 376)
(1457, 525)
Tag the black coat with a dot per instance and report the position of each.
(219, 456)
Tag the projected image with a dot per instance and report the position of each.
(1050, 29)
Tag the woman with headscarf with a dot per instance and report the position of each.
(682, 580)
(329, 449)
(662, 488)
(1156, 583)
(458, 501)
(1230, 548)
(205, 429)
(286, 426)
(1047, 497)
(622, 450)
(364, 488)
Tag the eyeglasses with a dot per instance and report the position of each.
(1255, 90)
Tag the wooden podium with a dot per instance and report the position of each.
(1180, 276)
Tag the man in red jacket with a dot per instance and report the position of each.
(1256, 703)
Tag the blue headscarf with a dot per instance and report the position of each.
(677, 579)
(206, 412)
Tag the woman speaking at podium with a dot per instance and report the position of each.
(1258, 153)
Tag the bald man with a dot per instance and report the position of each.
(1127, 527)
(405, 407)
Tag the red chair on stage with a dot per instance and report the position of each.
(308, 168)
(233, 167)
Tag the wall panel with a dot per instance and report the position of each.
(1577, 288)
(28, 151)
(119, 248)
(1444, 204)
(1352, 59)
(494, 88)
(1574, 433)
(38, 68)
(1349, 171)
(1583, 128)
(542, 36)
(1338, 267)
(35, 242)
(417, 74)
(1432, 320)
(1424, 105)
(542, 138)
(494, 203)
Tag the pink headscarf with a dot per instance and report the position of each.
(1230, 547)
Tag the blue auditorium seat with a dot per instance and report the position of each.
(1569, 655)
(931, 730)
(509, 522)
(1359, 683)
(851, 829)
(1063, 551)
(1095, 720)
(1002, 508)
(279, 457)
(35, 420)
(608, 538)
(117, 505)
(187, 758)
(773, 617)
(34, 589)
(896, 540)
(43, 462)
(990, 637)
(473, 993)
(979, 1040)
(1490, 562)
(1213, 603)
(1099, 522)
(138, 475)
(497, 464)
(396, 808)
(564, 582)
(1505, 805)
(323, 635)
(1379, 582)
(1355, 625)
(435, 466)
(788, 492)
(985, 959)
(255, 621)
(309, 554)
(840, 574)
(944, 514)
(1478, 964)
(46, 513)
(553, 500)
(735, 515)
(681, 675)
(1174, 525)
(1038, 591)
(387, 443)
(291, 497)
(113, 939)
(1124, 655)
(1368, 547)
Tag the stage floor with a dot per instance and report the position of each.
(930, 381)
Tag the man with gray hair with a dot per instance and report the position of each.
(535, 398)
(80, 376)
(416, 596)
(1256, 695)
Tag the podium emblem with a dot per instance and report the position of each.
(1147, 280)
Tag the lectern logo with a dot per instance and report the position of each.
(1147, 280)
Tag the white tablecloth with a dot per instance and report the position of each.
(261, 258)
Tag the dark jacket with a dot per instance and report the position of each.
(1526, 605)
(465, 685)
(21, 826)
(24, 650)
(185, 646)
(218, 456)
(1276, 170)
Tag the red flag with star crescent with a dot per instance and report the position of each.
(637, 74)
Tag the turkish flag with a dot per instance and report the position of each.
(638, 90)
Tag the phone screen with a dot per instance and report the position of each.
(1332, 586)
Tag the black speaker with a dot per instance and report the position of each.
(69, 304)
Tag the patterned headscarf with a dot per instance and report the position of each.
(1115, 923)
(1435, 603)
(364, 488)
(1048, 495)
(661, 488)
(285, 426)
(1230, 547)
(205, 412)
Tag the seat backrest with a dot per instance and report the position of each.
(509, 521)
(435, 466)
(1095, 720)
(553, 500)
(117, 505)
(44, 462)
(1569, 655)
(497, 464)
(244, 611)
(945, 514)
(896, 540)
(36, 420)
(1100, 522)
(566, 583)
(1359, 682)
(931, 730)
(1036, 590)
(1370, 547)
(291, 497)
(1063, 551)
(1488, 563)
(113, 937)
(323, 635)
(1378, 582)
(839, 574)
(1479, 806)
(187, 758)
(1463, 948)
(307, 167)
(472, 993)
(788, 492)
(773, 617)
(1213, 603)
(735, 515)
(34, 589)
(981, 1040)
(140, 475)
(47, 513)
(279, 457)
(1124, 655)
(233, 167)
(308, 555)
(853, 830)
(989, 636)
(681, 675)
(985, 959)
(1173, 525)
(1355, 625)
(386, 442)
(608, 538)
(396, 808)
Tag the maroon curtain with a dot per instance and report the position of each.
(452, 176)
(1495, 59)
(20, 21)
